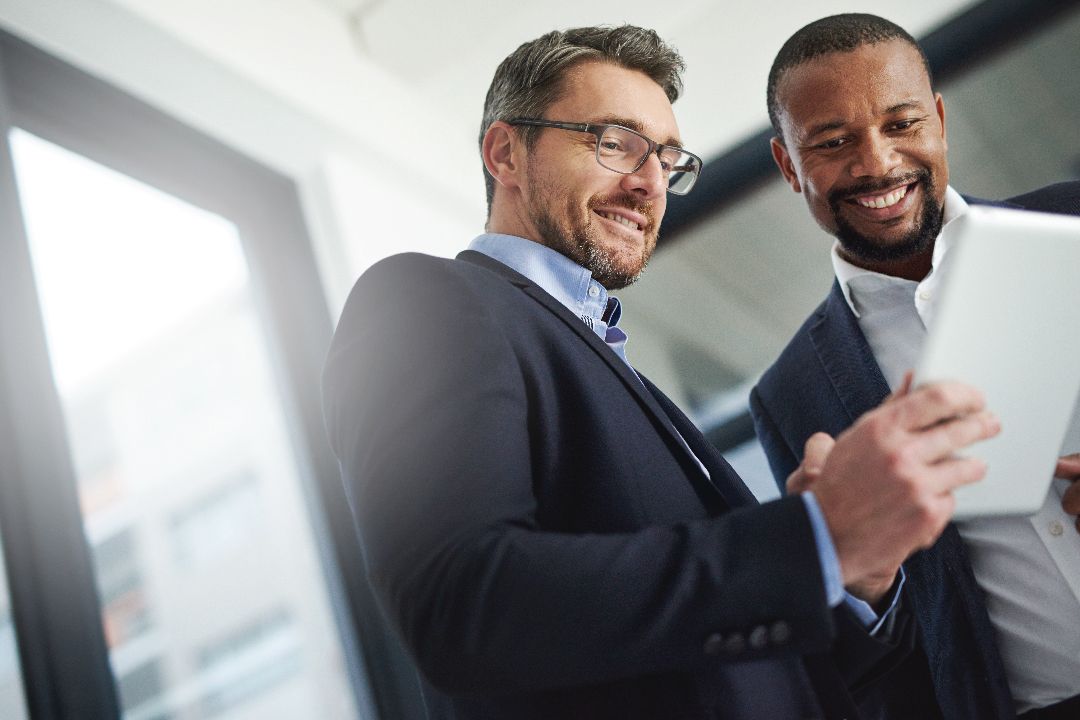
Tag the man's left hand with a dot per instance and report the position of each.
(1068, 468)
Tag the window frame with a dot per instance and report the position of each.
(55, 608)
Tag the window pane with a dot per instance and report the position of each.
(213, 596)
(12, 701)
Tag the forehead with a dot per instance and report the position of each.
(870, 79)
(601, 91)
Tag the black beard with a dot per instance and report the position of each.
(579, 247)
(868, 249)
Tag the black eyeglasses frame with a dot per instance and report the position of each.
(598, 130)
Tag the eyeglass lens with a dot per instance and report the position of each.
(621, 150)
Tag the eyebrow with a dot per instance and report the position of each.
(838, 124)
(634, 125)
(824, 127)
(906, 105)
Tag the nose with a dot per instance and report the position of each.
(648, 181)
(875, 156)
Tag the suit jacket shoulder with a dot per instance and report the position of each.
(1063, 198)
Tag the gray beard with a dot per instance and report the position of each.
(579, 247)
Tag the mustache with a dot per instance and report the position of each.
(869, 187)
(624, 200)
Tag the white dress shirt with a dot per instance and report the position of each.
(1028, 567)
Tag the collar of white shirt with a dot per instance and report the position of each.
(955, 206)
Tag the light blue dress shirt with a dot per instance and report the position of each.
(574, 287)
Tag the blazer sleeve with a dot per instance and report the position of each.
(429, 414)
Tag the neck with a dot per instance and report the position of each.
(914, 268)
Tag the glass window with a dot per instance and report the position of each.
(141, 687)
(242, 665)
(121, 587)
(188, 482)
(12, 700)
(224, 520)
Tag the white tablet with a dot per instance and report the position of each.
(1008, 323)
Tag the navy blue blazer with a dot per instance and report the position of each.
(824, 379)
(538, 537)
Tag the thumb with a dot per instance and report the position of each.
(817, 449)
(1068, 467)
(815, 452)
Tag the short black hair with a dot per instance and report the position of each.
(836, 33)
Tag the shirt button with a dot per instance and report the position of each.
(759, 637)
(735, 644)
(924, 295)
(713, 644)
(1056, 529)
(780, 632)
(593, 291)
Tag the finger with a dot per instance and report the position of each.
(797, 481)
(941, 511)
(1070, 501)
(944, 439)
(1068, 467)
(904, 389)
(816, 451)
(947, 475)
(930, 404)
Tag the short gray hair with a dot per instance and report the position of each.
(529, 80)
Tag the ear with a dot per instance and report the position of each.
(940, 105)
(782, 159)
(503, 154)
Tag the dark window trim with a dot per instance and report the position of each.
(54, 605)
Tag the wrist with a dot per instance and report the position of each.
(874, 590)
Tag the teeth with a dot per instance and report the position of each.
(620, 219)
(885, 201)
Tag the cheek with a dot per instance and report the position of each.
(811, 174)
(820, 180)
(660, 207)
(815, 189)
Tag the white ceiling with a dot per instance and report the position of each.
(447, 52)
(372, 69)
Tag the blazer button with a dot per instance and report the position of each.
(779, 632)
(759, 637)
(734, 644)
(713, 644)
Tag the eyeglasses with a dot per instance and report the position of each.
(624, 150)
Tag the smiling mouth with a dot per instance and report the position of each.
(878, 202)
(619, 219)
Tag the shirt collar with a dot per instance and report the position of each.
(954, 207)
(558, 275)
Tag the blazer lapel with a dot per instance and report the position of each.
(722, 477)
(847, 358)
(633, 383)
